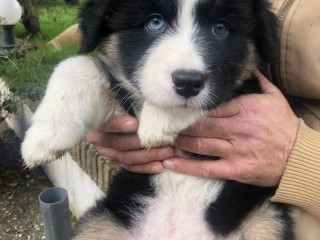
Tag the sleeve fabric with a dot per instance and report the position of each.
(300, 183)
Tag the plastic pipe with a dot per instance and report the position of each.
(54, 207)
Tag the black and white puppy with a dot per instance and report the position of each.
(167, 62)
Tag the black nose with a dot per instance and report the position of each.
(188, 83)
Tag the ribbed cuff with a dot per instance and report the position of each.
(300, 183)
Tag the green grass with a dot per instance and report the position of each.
(27, 75)
(54, 18)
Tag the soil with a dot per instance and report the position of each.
(19, 190)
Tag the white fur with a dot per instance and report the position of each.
(261, 224)
(162, 125)
(110, 229)
(178, 211)
(186, 17)
(307, 226)
(76, 100)
(175, 50)
(78, 97)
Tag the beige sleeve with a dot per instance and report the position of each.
(300, 183)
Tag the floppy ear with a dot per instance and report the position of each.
(93, 24)
(266, 31)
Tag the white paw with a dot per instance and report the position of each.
(76, 100)
(161, 126)
(36, 151)
(153, 137)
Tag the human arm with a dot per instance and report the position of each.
(253, 135)
(271, 166)
(300, 183)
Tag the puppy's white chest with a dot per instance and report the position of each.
(178, 210)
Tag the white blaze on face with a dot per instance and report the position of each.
(174, 50)
(186, 16)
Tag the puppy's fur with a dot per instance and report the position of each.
(168, 63)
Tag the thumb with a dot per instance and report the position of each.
(220, 169)
(120, 124)
(266, 85)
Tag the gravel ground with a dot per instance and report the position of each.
(19, 190)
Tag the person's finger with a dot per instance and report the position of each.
(136, 157)
(154, 167)
(227, 110)
(220, 169)
(204, 146)
(121, 124)
(266, 85)
(235, 106)
(122, 142)
(210, 128)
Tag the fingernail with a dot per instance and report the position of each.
(157, 169)
(129, 126)
(165, 153)
(203, 172)
(169, 165)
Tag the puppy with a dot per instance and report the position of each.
(167, 63)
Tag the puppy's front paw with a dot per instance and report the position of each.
(153, 137)
(36, 150)
(160, 126)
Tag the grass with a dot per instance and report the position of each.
(27, 75)
(54, 18)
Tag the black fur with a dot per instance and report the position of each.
(121, 94)
(94, 24)
(122, 196)
(234, 203)
(248, 21)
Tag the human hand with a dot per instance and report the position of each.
(118, 142)
(253, 135)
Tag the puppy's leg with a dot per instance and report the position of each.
(76, 100)
(162, 125)
(102, 227)
(306, 226)
(265, 223)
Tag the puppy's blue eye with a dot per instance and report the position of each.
(220, 28)
(156, 23)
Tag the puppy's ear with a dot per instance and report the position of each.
(266, 31)
(93, 24)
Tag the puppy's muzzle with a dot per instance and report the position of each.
(188, 83)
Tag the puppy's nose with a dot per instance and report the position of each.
(188, 83)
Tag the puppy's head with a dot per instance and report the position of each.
(181, 53)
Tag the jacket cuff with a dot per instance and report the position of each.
(300, 183)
